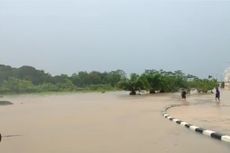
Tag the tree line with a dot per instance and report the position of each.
(28, 79)
(162, 81)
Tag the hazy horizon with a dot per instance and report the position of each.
(68, 36)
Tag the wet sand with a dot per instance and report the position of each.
(96, 123)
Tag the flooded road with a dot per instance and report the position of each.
(205, 112)
(96, 123)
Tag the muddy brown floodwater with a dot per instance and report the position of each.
(102, 123)
(206, 112)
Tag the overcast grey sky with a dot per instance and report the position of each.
(66, 36)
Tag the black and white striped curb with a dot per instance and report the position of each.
(210, 133)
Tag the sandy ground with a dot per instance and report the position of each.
(99, 123)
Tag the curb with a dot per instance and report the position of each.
(210, 133)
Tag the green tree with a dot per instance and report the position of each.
(17, 86)
(134, 84)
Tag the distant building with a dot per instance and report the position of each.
(227, 78)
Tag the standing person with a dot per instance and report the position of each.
(217, 95)
(183, 94)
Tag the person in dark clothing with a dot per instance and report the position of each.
(183, 94)
(217, 94)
